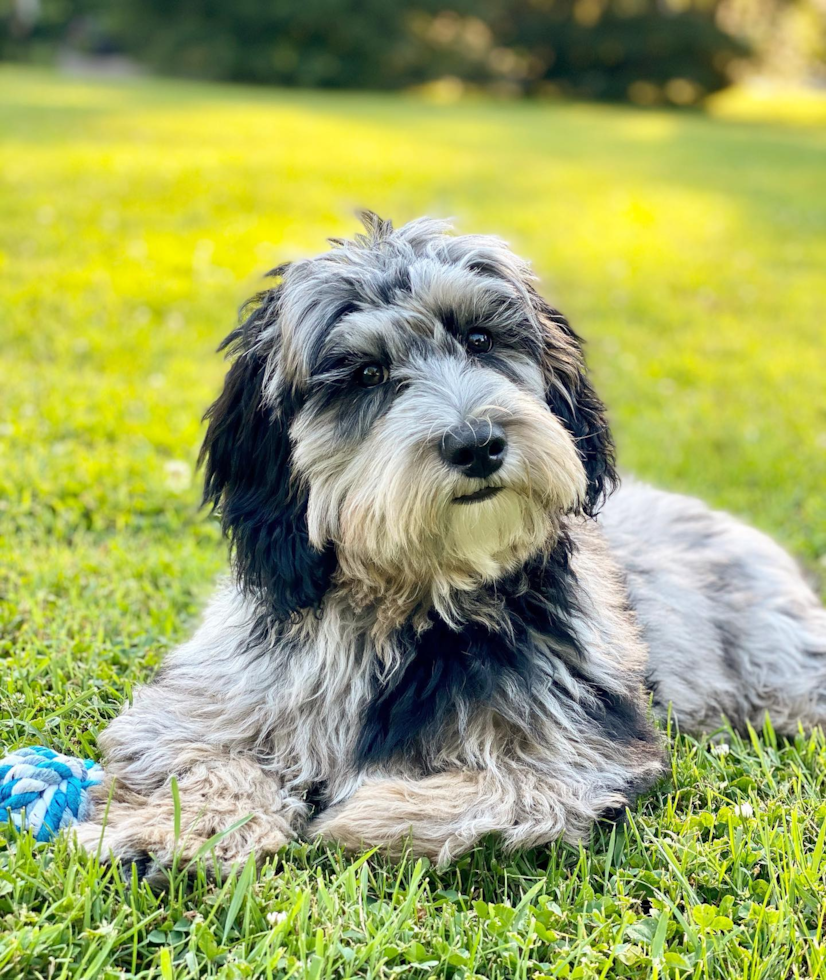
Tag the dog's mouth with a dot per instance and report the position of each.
(484, 494)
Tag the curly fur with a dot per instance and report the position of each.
(394, 663)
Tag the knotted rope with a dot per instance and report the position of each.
(44, 791)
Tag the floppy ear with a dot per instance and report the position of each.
(247, 478)
(572, 398)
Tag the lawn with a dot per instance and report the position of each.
(690, 249)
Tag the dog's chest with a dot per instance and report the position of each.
(502, 666)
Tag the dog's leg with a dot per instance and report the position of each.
(230, 796)
(209, 721)
(444, 815)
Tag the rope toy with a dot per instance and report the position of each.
(44, 792)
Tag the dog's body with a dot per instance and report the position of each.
(732, 628)
(430, 636)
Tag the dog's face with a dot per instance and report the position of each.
(407, 409)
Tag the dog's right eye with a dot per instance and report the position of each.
(370, 375)
(478, 342)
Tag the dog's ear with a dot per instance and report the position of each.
(572, 398)
(248, 478)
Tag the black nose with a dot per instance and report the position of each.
(475, 448)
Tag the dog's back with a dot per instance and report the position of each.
(732, 626)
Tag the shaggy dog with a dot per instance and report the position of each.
(430, 636)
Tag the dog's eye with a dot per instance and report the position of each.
(370, 375)
(478, 342)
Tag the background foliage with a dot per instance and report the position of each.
(134, 219)
(646, 51)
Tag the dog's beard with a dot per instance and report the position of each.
(405, 540)
(489, 536)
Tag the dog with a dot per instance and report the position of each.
(443, 621)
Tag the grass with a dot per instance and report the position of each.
(134, 218)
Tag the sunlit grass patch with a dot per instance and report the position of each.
(766, 101)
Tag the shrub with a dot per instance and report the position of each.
(645, 55)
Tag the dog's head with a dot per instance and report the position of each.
(404, 411)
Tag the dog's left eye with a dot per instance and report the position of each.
(370, 375)
(478, 342)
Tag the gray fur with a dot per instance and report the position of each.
(732, 627)
(255, 716)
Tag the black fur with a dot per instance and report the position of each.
(247, 477)
(618, 717)
(578, 406)
(443, 668)
(585, 419)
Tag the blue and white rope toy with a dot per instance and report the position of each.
(44, 792)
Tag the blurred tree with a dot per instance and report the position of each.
(353, 43)
(648, 51)
(643, 50)
(33, 29)
(788, 37)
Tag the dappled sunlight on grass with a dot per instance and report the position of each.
(765, 101)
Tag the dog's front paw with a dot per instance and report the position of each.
(145, 836)
(438, 817)
(156, 832)
(113, 842)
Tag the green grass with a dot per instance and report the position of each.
(134, 218)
